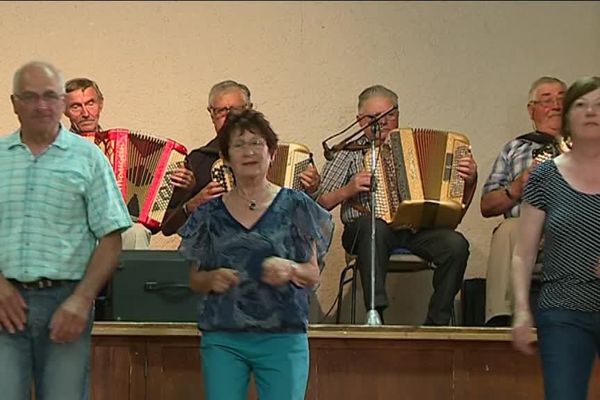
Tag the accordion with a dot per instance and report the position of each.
(417, 180)
(291, 159)
(142, 165)
(549, 151)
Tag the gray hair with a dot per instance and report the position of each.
(542, 81)
(229, 86)
(376, 91)
(48, 68)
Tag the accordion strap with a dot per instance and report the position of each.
(211, 148)
(538, 137)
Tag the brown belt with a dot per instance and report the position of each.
(43, 283)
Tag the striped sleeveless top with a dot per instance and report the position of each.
(571, 240)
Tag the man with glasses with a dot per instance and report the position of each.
(501, 193)
(346, 181)
(223, 97)
(62, 218)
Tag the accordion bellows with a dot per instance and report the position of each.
(291, 159)
(417, 181)
(142, 165)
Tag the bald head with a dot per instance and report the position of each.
(37, 67)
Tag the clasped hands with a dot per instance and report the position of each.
(276, 271)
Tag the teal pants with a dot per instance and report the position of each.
(279, 362)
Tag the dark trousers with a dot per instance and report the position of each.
(446, 248)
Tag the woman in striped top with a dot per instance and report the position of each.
(562, 201)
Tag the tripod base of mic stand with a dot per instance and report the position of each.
(373, 318)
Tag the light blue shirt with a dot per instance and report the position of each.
(55, 206)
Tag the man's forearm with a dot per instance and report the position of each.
(330, 200)
(103, 263)
(173, 220)
(496, 203)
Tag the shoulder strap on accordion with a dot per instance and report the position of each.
(538, 137)
(211, 147)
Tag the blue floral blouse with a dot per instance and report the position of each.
(212, 239)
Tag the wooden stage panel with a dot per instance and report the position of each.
(173, 369)
(488, 372)
(138, 361)
(118, 368)
(365, 370)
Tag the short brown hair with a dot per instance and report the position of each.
(246, 120)
(580, 87)
(82, 84)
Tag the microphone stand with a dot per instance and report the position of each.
(373, 317)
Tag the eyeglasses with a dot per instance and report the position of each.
(255, 144)
(223, 111)
(391, 116)
(48, 97)
(549, 101)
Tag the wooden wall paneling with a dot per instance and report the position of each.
(380, 369)
(118, 368)
(173, 368)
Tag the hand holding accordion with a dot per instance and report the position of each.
(417, 180)
(142, 165)
(291, 159)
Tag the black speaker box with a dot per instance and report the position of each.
(150, 286)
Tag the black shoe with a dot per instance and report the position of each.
(500, 321)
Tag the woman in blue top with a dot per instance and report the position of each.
(257, 252)
(562, 200)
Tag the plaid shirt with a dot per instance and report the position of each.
(338, 172)
(55, 206)
(515, 157)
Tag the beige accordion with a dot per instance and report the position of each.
(417, 180)
(291, 159)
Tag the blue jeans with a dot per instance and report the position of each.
(569, 342)
(279, 362)
(57, 369)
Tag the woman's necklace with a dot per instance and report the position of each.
(252, 204)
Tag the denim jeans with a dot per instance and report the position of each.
(57, 369)
(569, 342)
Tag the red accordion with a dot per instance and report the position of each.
(142, 165)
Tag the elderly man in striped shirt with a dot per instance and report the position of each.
(501, 194)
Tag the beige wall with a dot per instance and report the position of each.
(462, 66)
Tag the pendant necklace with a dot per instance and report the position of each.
(251, 203)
